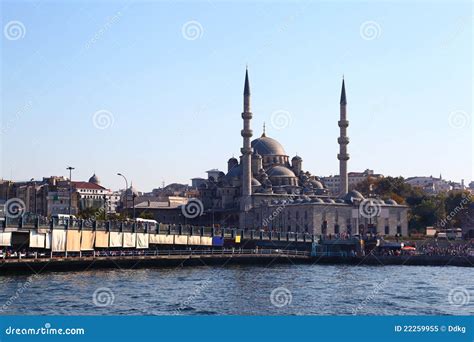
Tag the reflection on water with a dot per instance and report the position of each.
(312, 290)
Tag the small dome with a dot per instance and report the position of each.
(391, 202)
(94, 179)
(233, 160)
(131, 191)
(255, 182)
(353, 195)
(340, 200)
(296, 158)
(236, 171)
(267, 146)
(329, 200)
(316, 184)
(280, 171)
(317, 200)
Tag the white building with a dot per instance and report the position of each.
(430, 184)
(354, 178)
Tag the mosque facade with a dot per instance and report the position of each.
(266, 190)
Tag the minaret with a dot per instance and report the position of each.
(343, 140)
(245, 203)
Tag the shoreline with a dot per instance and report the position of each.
(32, 266)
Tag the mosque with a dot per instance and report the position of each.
(264, 189)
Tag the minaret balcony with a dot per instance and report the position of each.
(343, 123)
(343, 140)
(246, 133)
(343, 156)
(247, 115)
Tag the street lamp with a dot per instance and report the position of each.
(126, 189)
(70, 168)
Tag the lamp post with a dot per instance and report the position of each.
(126, 189)
(70, 168)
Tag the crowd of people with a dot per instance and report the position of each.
(453, 249)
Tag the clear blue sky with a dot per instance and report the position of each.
(176, 102)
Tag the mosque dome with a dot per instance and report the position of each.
(94, 179)
(233, 160)
(131, 191)
(280, 171)
(297, 158)
(353, 195)
(267, 146)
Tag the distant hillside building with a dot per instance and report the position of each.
(354, 178)
(431, 185)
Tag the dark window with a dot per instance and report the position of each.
(387, 230)
(399, 230)
(324, 228)
(336, 229)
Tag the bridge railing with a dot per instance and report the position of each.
(160, 252)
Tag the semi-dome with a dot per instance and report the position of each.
(94, 179)
(267, 146)
(280, 171)
(353, 195)
(255, 182)
(316, 184)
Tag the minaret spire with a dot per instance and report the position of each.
(343, 140)
(245, 202)
(343, 93)
(246, 85)
(263, 133)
